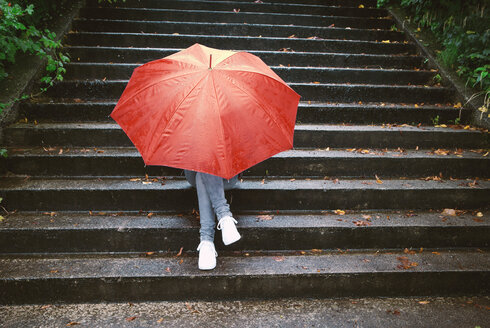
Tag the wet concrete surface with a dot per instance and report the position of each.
(345, 312)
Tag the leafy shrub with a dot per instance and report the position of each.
(17, 35)
(462, 27)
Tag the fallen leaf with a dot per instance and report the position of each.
(279, 258)
(407, 251)
(479, 214)
(405, 263)
(150, 214)
(436, 253)
(378, 180)
(424, 302)
(265, 217)
(135, 179)
(339, 212)
(449, 211)
(385, 41)
(160, 320)
(72, 323)
(131, 318)
(50, 213)
(180, 252)
(236, 10)
(361, 6)
(167, 269)
(361, 223)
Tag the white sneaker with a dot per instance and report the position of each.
(228, 230)
(207, 255)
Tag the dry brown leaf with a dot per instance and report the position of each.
(361, 223)
(449, 211)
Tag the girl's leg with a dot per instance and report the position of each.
(226, 222)
(215, 191)
(206, 213)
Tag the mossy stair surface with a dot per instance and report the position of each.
(355, 209)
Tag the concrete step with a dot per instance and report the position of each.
(314, 112)
(309, 91)
(265, 30)
(100, 71)
(106, 162)
(265, 7)
(272, 58)
(68, 232)
(104, 278)
(393, 312)
(306, 136)
(347, 3)
(122, 194)
(237, 42)
(212, 16)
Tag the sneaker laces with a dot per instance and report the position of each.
(204, 242)
(224, 219)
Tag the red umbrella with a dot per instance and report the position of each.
(207, 110)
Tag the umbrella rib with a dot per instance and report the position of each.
(259, 73)
(278, 79)
(285, 134)
(172, 115)
(153, 84)
(220, 124)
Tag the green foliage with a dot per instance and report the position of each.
(437, 78)
(435, 120)
(462, 27)
(18, 36)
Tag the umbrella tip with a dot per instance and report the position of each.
(210, 60)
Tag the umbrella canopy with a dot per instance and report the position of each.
(207, 110)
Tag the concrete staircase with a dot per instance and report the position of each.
(356, 209)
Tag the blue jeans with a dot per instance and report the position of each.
(211, 198)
